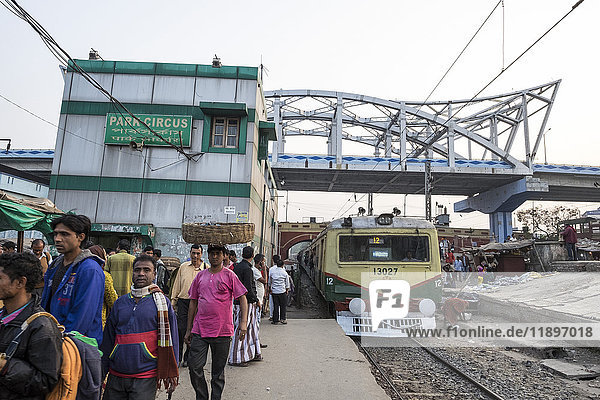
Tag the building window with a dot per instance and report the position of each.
(225, 132)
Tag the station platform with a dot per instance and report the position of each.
(305, 359)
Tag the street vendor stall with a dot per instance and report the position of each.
(510, 255)
(27, 214)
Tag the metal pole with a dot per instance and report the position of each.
(262, 219)
(428, 180)
(287, 204)
(545, 159)
(278, 145)
(370, 204)
(20, 241)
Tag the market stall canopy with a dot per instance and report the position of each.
(27, 214)
(38, 203)
(519, 244)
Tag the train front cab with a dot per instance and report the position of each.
(353, 256)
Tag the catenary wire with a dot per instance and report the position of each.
(507, 67)
(520, 55)
(461, 53)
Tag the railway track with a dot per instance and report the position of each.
(399, 395)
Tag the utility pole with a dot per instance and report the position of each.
(544, 136)
(287, 204)
(428, 189)
(369, 204)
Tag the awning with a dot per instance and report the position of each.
(268, 129)
(20, 217)
(38, 203)
(519, 244)
(221, 109)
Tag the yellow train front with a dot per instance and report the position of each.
(351, 252)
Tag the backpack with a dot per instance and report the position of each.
(74, 364)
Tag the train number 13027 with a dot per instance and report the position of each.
(385, 271)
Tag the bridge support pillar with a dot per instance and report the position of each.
(500, 225)
(499, 203)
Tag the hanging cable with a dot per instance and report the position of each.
(92, 141)
(67, 60)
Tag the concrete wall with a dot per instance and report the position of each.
(576, 266)
(545, 253)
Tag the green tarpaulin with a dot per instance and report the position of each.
(19, 217)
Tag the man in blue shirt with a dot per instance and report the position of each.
(74, 282)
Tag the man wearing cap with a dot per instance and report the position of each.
(210, 323)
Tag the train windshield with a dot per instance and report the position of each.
(399, 248)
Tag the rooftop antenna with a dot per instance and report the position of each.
(94, 55)
(263, 69)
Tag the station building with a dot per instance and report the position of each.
(211, 166)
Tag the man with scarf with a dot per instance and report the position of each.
(242, 352)
(140, 344)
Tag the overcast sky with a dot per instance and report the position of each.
(388, 49)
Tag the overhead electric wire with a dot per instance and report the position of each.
(461, 53)
(457, 58)
(521, 55)
(64, 57)
(89, 140)
(507, 67)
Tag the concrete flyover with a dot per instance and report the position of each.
(32, 164)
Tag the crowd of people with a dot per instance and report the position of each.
(147, 321)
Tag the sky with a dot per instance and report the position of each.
(388, 49)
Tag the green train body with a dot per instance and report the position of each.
(351, 252)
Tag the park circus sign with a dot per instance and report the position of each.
(123, 129)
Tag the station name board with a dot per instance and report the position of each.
(123, 129)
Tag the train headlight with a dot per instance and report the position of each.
(385, 219)
(357, 306)
(427, 307)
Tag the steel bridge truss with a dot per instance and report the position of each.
(507, 127)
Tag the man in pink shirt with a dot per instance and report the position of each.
(210, 322)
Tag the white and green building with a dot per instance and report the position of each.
(133, 184)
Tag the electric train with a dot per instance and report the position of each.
(351, 252)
